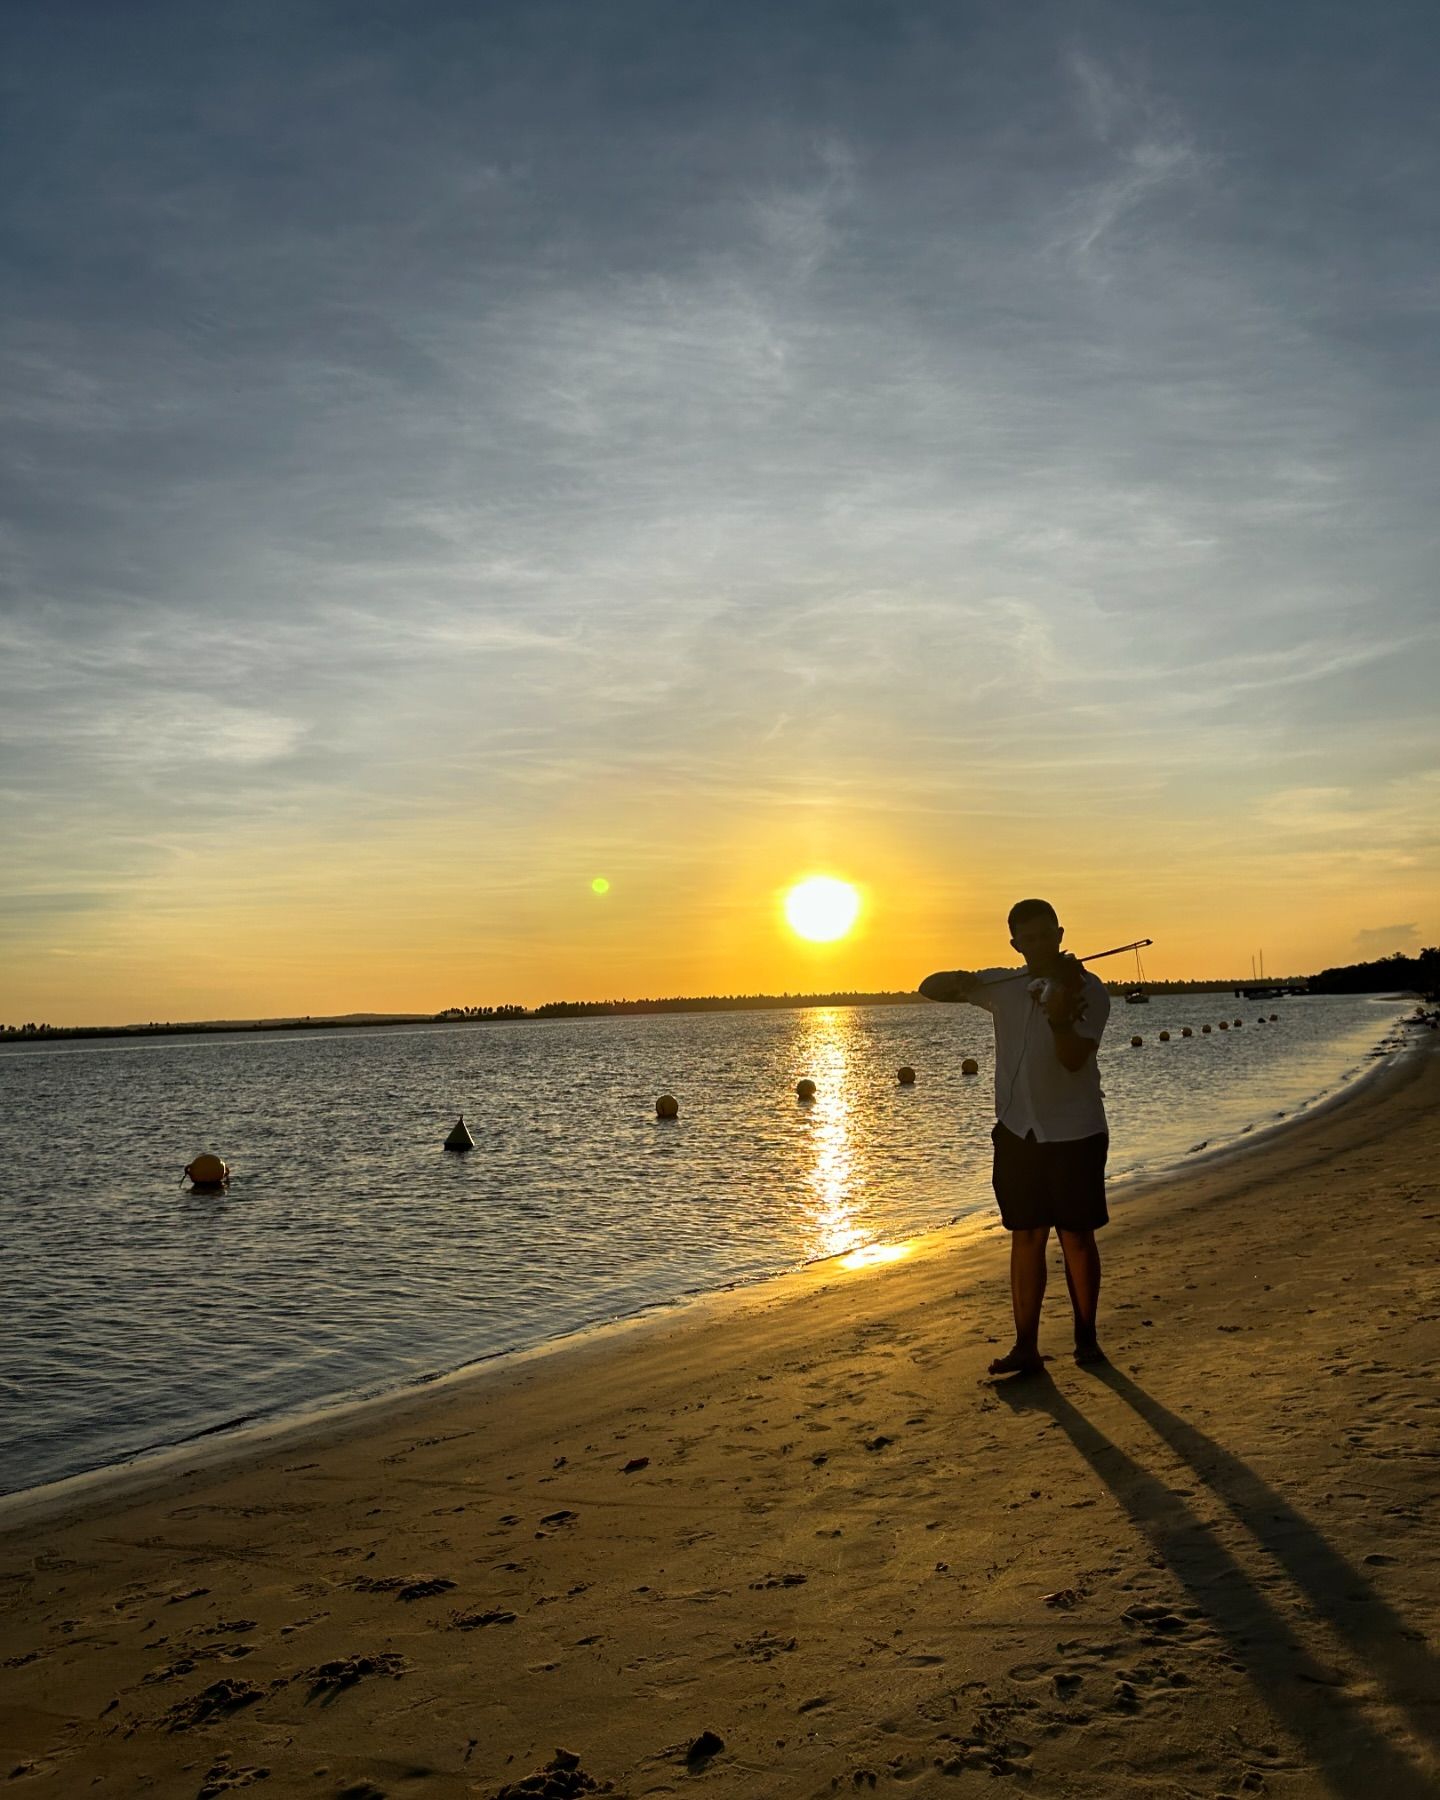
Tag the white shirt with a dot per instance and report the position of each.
(1034, 1091)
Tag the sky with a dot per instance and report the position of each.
(449, 453)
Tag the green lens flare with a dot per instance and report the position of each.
(599, 885)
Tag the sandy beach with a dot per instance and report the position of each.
(792, 1541)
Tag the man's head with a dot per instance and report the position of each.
(1035, 931)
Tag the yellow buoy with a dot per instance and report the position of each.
(208, 1171)
(1136, 1042)
(969, 1066)
(668, 1107)
(805, 1088)
(460, 1138)
(906, 1076)
(1164, 1037)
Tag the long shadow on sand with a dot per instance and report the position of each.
(1356, 1756)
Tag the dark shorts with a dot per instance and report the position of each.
(1060, 1184)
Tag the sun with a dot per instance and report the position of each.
(822, 908)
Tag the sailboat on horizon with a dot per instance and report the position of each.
(1137, 995)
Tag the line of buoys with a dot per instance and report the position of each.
(208, 1173)
(1205, 1030)
(460, 1138)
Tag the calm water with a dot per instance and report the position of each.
(351, 1254)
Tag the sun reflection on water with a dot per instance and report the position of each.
(835, 1176)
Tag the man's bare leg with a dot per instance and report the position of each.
(1027, 1292)
(1082, 1277)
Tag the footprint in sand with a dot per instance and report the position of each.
(330, 1679)
(217, 1701)
(404, 1587)
(1158, 1619)
(300, 1624)
(222, 1779)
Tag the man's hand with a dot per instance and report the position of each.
(950, 984)
(1064, 992)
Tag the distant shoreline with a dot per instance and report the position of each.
(553, 1009)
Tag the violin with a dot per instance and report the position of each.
(1061, 994)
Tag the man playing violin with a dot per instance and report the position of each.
(1050, 1133)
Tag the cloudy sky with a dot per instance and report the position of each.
(451, 452)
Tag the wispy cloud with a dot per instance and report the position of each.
(686, 429)
(1383, 940)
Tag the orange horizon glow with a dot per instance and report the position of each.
(264, 942)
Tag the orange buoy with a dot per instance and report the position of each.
(1239, 1023)
(805, 1088)
(1185, 1031)
(460, 1138)
(906, 1077)
(667, 1107)
(969, 1066)
(1136, 1042)
(1204, 1031)
(1224, 1026)
(208, 1171)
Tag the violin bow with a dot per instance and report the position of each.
(1095, 956)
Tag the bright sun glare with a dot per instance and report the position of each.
(822, 909)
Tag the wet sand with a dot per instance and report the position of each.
(801, 1520)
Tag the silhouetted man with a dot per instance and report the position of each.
(1050, 1134)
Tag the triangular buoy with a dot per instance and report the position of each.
(460, 1138)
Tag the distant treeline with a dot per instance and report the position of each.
(1420, 973)
(552, 1009)
(482, 1012)
(584, 1009)
(1198, 987)
(200, 1028)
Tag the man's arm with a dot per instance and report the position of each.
(1072, 1049)
(951, 984)
(1075, 1048)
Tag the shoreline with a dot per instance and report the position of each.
(217, 1444)
(799, 1517)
